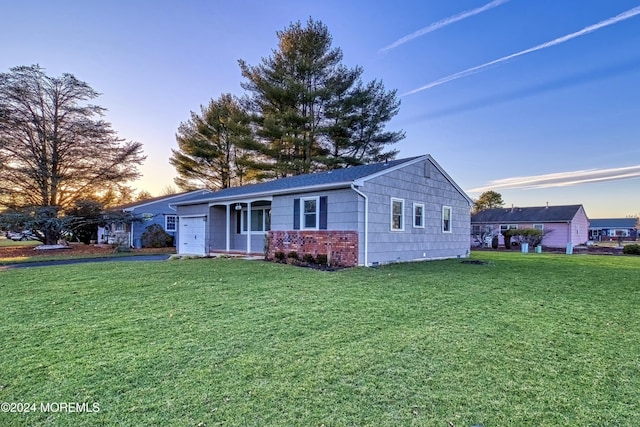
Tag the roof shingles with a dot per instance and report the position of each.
(614, 223)
(516, 215)
(336, 176)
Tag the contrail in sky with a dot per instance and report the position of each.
(443, 23)
(562, 179)
(621, 17)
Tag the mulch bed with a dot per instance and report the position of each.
(74, 249)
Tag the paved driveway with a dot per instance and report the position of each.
(159, 257)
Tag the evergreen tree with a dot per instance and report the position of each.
(311, 112)
(211, 152)
(357, 135)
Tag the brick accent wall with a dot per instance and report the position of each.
(341, 247)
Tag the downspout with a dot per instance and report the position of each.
(366, 224)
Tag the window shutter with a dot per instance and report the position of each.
(296, 214)
(238, 213)
(323, 213)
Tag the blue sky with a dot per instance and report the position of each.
(538, 100)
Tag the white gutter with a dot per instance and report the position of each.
(366, 224)
(264, 195)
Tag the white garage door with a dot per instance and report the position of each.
(192, 235)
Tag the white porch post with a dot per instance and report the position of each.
(248, 227)
(228, 235)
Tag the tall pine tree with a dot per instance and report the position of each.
(211, 153)
(310, 112)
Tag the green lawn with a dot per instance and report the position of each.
(4, 242)
(526, 340)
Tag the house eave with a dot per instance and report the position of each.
(266, 194)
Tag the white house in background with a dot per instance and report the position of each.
(401, 210)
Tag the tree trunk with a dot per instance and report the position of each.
(50, 237)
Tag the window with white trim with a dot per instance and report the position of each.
(260, 220)
(119, 227)
(619, 233)
(309, 213)
(397, 214)
(538, 227)
(170, 222)
(446, 219)
(505, 227)
(418, 215)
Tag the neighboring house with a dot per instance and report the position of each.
(150, 211)
(561, 224)
(403, 210)
(606, 229)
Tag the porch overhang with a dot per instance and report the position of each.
(238, 203)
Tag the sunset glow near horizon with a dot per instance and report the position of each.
(538, 101)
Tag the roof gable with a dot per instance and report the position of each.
(537, 214)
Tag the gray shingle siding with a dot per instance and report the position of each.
(430, 242)
(342, 208)
(186, 210)
(217, 232)
(346, 209)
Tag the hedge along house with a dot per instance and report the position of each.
(147, 212)
(402, 210)
(561, 225)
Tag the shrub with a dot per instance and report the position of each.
(532, 236)
(308, 258)
(154, 236)
(121, 248)
(292, 255)
(322, 259)
(631, 249)
(507, 239)
(279, 255)
(120, 245)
